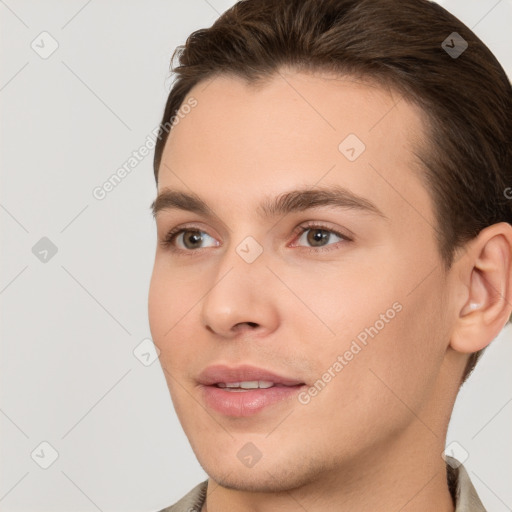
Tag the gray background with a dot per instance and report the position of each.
(69, 325)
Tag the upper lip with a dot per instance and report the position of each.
(222, 373)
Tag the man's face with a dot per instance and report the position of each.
(349, 302)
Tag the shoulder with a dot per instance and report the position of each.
(192, 501)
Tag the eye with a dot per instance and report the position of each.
(314, 235)
(187, 239)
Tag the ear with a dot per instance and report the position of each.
(486, 278)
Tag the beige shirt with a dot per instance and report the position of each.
(464, 494)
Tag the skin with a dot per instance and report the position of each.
(380, 424)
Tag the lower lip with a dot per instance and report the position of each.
(246, 403)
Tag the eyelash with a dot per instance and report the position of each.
(168, 241)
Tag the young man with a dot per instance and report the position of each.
(334, 251)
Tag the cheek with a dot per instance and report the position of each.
(395, 365)
(165, 309)
(401, 359)
(390, 340)
(339, 303)
(171, 299)
(159, 306)
(173, 305)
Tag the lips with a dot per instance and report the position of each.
(245, 391)
(222, 374)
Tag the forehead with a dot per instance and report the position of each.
(298, 129)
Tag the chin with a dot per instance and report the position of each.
(272, 475)
(255, 481)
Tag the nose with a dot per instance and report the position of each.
(240, 299)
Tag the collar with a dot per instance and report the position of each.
(463, 492)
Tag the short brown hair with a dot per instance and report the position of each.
(467, 98)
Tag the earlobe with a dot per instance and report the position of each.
(488, 283)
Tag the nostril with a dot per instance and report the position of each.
(241, 325)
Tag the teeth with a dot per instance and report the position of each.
(248, 384)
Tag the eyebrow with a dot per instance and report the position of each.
(287, 202)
